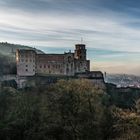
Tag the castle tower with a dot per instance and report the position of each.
(80, 52)
(25, 60)
(81, 62)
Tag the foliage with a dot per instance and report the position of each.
(7, 64)
(9, 83)
(67, 110)
(123, 97)
(126, 126)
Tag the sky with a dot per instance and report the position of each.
(109, 28)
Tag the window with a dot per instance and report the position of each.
(26, 65)
(26, 69)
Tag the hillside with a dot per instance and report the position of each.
(10, 49)
(68, 110)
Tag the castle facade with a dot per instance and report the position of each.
(29, 63)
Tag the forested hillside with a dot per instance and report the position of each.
(67, 110)
(10, 49)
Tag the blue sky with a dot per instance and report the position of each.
(109, 28)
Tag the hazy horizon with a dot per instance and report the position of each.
(109, 28)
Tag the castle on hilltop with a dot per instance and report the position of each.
(29, 63)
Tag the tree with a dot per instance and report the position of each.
(76, 106)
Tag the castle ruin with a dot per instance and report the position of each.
(29, 63)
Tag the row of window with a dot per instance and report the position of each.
(50, 66)
(52, 71)
(26, 60)
(57, 66)
(26, 55)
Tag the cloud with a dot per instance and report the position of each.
(116, 67)
(98, 30)
(110, 28)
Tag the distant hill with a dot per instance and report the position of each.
(10, 49)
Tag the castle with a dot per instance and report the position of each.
(30, 63)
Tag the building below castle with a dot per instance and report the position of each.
(29, 63)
